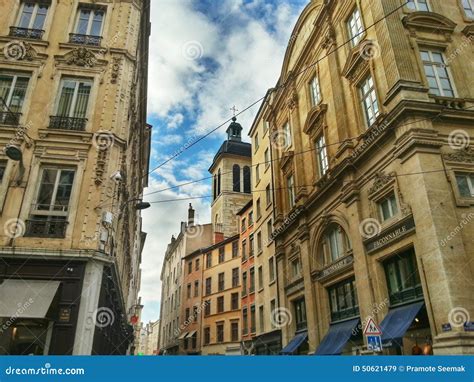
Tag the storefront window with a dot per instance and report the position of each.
(24, 337)
(300, 314)
(343, 300)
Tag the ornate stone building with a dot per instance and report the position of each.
(73, 166)
(372, 130)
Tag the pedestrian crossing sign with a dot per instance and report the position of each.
(372, 329)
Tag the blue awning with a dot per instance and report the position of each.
(397, 321)
(336, 338)
(294, 344)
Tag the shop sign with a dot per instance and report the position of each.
(390, 235)
(334, 268)
(469, 326)
(64, 315)
(446, 327)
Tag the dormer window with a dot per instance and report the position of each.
(89, 26)
(418, 5)
(31, 20)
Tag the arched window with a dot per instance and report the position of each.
(215, 187)
(236, 178)
(334, 245)
(219, 182)
(247, 180)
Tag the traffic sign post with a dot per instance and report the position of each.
(374, 343)
(373, 334)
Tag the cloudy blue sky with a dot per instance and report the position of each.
(206, 56)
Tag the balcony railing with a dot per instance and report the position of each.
(67, 123)
(83, 39)
(35, 34)
(9, 118)
(345, 313)
(55, 229)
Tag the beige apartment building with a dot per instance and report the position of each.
(73, 166)
(374, 177)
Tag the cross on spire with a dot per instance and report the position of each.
(234, 110)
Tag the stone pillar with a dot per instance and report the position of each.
(88, 308)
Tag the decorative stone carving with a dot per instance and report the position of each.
(100, 167)
(81, 57)
(381, 180)
(19, 51)
(463, 156)
(115, 69)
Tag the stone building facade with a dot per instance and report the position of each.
(373, 177)
(73, 165)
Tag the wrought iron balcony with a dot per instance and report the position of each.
(83, 39)
(35, 34)
(9, 118)
(67, 123)
(54, 229)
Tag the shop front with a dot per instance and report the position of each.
(268, 343)
(298, 345)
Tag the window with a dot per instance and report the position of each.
(290, 184)
(89, 26)
(270, 230)
(266, 126)
(251, 246)
(271, 267)
(13, 91)
(234, 331)
(468, 6)
(273, 311)
(250, 218)
(418, 5)
(369, 100)
(207, 336)
(336, 243)
(268, 195)
(244, 284)
(296, 268)
(235, 277)
(32, 18)
(315, 91)
(235, 301)
(355, 27)
(188, 314)
(261, 318)
(260, 277)
(194, 341)
(207, 308)
(221, 255)
(259, 242)
(245, 321)
(220, 332)
(243, 224)
(196, 288)
(208, 286)
(3, 167)
(300, 314)
(287, 135)
(253, 323)
(247, 180)
(259, 209)
(244, 250)
(257, 143)
(235, 249)
(388, 207)
(402, 278)
(252, 280)
(209, 260)
(190, 267)
(236, 178)
(219, 182)
(267, 158)
(221, 285)
(220, 304)
(436, 73)
(465, 184)
(257, 173)
(343, 300)
(72, 105)
(322, 156)
(188, 293)
(198, 263)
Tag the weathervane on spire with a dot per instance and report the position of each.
(234, 111)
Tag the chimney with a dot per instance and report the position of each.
(218, 234)
(190, 215)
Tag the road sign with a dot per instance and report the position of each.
(372, 329)
(374, 343)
